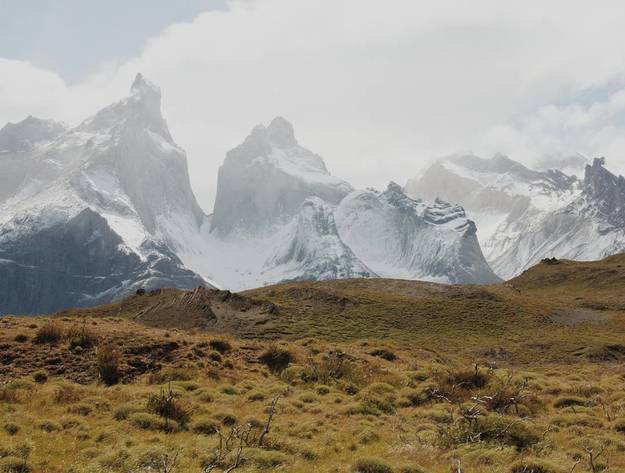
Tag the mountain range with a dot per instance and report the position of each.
(92, 213)
(525, 215)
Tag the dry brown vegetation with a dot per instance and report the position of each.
(344, 376)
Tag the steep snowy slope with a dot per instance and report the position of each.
(19, 143)
(399, 237)
(121, 171)
(313, 248)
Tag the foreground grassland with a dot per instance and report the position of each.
(345, 376)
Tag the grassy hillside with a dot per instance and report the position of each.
(371, 376)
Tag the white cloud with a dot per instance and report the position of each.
(377, 88)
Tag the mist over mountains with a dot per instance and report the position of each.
(92, 213)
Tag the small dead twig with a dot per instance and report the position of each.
(270, 414)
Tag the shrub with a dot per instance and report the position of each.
(167, 405)
(502, 429)
(171, 374)
(267, 459)
(40, 376)
(323, 390)
(67, 393)
(13, 464)
(371, 465)
(204, 426)
(80, 409)
(367, 436)
(377, 398)
(229, 390)
(215, 356)
(124, 411)
(9, 395)
(619, 426)
(534, 466)
(222, 346)
(411, 469)
(21, 338)
(384, 353)
(157, 459)
(570, 401)
(227, 418)
(107, 361)
(147, 421)
(414, 397)
(276, 358)
(256, 396)
(50, 332)
(81, 337)
(11, 428)
(49, 426)
(205, 396)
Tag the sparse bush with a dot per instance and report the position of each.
(21, 338)
(215, 356)
(81, 337)
(107, 361)
(40, 377)
(226, 418)
(147, 421)
(619, 426)
(377, 398)
(256, 396)
(167, 375)
(323, 390)
(276, 358)
(204, 426)
(12, 464)
(167, 405)
(11, 428)
(367, 436)
(229, 390)
(384, 353)
(534, 466)
(411, 469)
(80, 409)
(124, 411)
(570, 401)
(49, 426)
(9, 395)
(371, 465)
(267, 459)
(222, 346)
(50, 332)
(492, 428)
(67, 393)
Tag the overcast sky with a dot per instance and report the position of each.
(378, 88)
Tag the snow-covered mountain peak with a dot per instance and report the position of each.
(281, 133)
(605, 192)
(140, 110)
(264, 180)
(145, 87)
(29, 133)
(397, 236)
